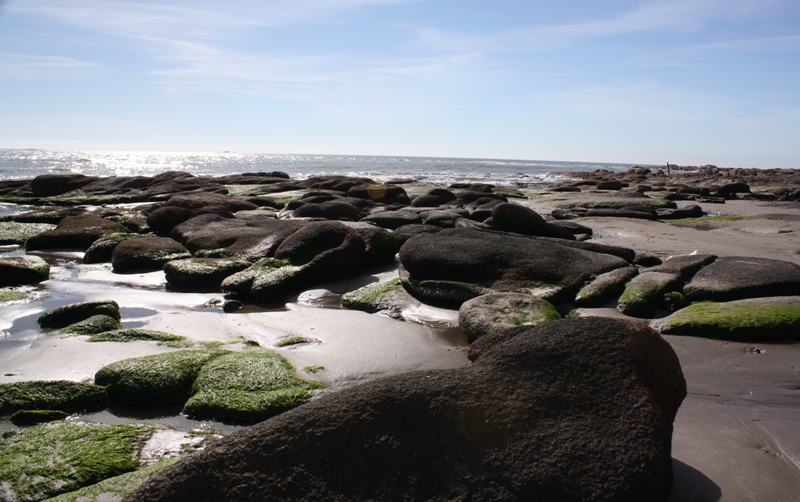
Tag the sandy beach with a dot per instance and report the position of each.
(735, 437)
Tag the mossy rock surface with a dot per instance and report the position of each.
(61, 395)
(93, 325)
(23, 270)
(156, 379)
(247, 386)
(267, 279)
(116, 488)
(605, 287)
(201, 273)
(12, 232)
(388, 297)
(35, 417)
(135, 334)
(12, 296)
(644, 294)
(499, 311)
(47, 460)
(100, 251)
(76, 312)
(756, 319)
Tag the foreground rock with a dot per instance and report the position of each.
(77, 312)
(578, 409)
(739, 277)
(74, 232)
(500, 311)
(23, 270)
(146, 254)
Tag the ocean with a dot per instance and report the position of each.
(28, 163)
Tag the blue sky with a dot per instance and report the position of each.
(684, 81)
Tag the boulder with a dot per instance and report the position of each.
(455, 265)
(752, 320)
(433, 198)
(387, 194)
(23, 270)
(443, 218)
(206, 200)
(393, 219)
(74, 232)
(61, 395)
(50, 216)
(93, 325)
(605, 287)
(48, 185)
(15, 233)
(146, 254)
(331, 245)
(644, 294)
(523, 220)
(406, 232)
(487, 314)
(388, 298)
(577, 409)
(163, 219)
(738, 277)
(684, 266)
(102, 249)
(381, 245)
(691, 211)
(76, 312)
(330, 210)
(201, 273)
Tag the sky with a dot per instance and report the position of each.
(689, 82)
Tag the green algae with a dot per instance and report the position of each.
(12, 296)
(313, 369)
(47, 460)
(35, 417)
(544, 312)
(775, 318)
(100, 251)
(12, 232)
(645, 293)
(267, 279)
(92, 326)
(61, 395)
(709, 219)
(292, 340)
(201, 273)
(76, 312)
(383, 296)
(605, 287)
(247, 386)
(156, 379)
(135, 334)
(116, 488)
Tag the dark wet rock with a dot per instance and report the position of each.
(76, 312)
(684, 266)
(626, 254)
(605, 287)
(406, 232)
(247, 387)
(329, 244)
(74, 232)
(472, 196)
(61, 395)
(644, 294)
(523, 220)
(56, 184)
(146, 254)
(102, 249)
(153, 380)
(487, 314)
(618, 200)
(738, 277)
(163, 219)
(754, 320)
(23, 270)
(239, 238)
(201, 273)
(573, 227)
(609, 185)
(455, 265)
(93, 325)
(691, 211)
(206, 200)
(393, 219)
(433, 198)
(35, 417)
(647, 260)
(329, 210)
(48, 215)
(536, 418)
(381, 245)
(621, 213)
(732, 188)
(387, 194)
(443, 218)
(388, 298)
(268, 279)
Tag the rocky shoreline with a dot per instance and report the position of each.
(457, 342)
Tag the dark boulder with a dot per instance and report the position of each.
(739, 277)
(578, 409)
(204, 200)
(387, 194)
(325, 242)
(146, 254)
(76, 312)
(434, 198)
(101, 250)
(201, 273)
(23, 270)
(443, 218)
(406, 232)
(523, 220)
(74, 232)
(495, 312)
(393, 219)
(48, 185)
(329, 210)
(48, 215)
(685, 265)
(691, 211)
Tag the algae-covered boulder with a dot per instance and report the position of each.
(605, 287)
(23, 270)
(201, 273)
(574, 409)
(755, 319)
(60, 395)
(133, 334)
(739, 277)
(247, 387)
(76, 312)
(146, 254)
(644, 294)
(46, 460)
(389, 298)
(12, 232)
(499, 311)
(74, 232)
(35, 417)
(152, 380)
(267, 279)
(93, 325)
(102, 249)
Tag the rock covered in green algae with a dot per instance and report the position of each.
(93, 325)
(61, 395)
(76, 312)
(46, 460)
(23, 270)
(156, 379)
(605, 287)
(247, 387)
(146, 254)
(645, 293)
(101, 250)
(201, 273)
(498, 311)
(267, 279)
(386, 297)
(35, 417)
(755, 319)
(12, 232)
(132, 334)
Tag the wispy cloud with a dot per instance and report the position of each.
(768, 44)
(26, 66)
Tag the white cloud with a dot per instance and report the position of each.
(26, 66)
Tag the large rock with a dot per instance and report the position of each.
(387, 194)
(12, 232)
(605, 287)
(645, 293)
(455, 265)
(578, 409)
(77, 312)
(329, 210)
(47, 185)
(393, 219)
(61, 395)
(523, 220)
(738, 277)
(500, 311)
(163, 219)
(146, 254)
(23, 270)
(201, 273)
(102, 249)
(74, 232)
